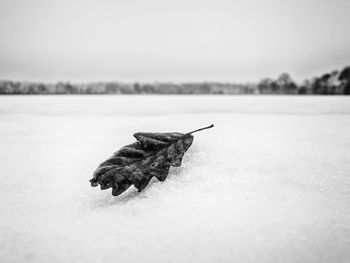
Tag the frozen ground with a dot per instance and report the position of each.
(270, 183)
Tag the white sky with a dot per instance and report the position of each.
(179, 40)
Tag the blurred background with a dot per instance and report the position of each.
(207, 46)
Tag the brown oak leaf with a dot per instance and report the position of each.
(136, 163)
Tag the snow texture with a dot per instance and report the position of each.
(269, 183)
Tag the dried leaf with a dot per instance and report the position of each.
(136, 163)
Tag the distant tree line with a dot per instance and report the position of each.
(336, 82)
(11, 87)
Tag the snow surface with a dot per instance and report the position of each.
(270, 183)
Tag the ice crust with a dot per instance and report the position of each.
(269, 183)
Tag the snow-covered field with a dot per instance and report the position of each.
(269, 183)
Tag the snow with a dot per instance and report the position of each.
(269, 183)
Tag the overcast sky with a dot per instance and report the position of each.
(179, 40)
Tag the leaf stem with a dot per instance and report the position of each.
(211, 126)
